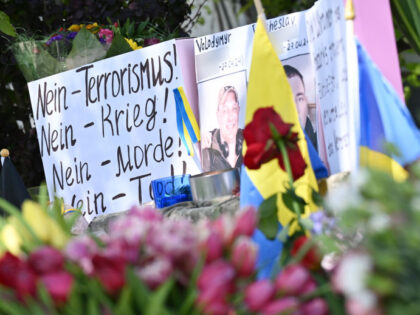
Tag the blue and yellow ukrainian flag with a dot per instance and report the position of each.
(384, 119)
(268, 86)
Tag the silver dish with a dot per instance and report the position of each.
(214, 184)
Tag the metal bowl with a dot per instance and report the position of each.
(214, 184)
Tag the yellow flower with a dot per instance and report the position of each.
(132, 44)
(44, 227)
(75, 27)
(11, 239)
(93, 26)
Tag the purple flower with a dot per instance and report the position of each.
(71, 35)
(81, 250)
(54, 38)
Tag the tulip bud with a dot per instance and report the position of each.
(292, 280)
(316, 306)
(58, 285)
(46, 259)
(245, 222)
(244, 256)
(287, 304)
(213, 247)
(258, 294)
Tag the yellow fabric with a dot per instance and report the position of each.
(190, 113)
(268, 86)
(382, 162)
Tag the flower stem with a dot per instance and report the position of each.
(282, 146)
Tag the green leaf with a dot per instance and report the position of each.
(119, 46)
(123, 305)
(157, 301)
(86, 49)
(317, 198)
(5, 26)
(268, 221)
(284, 234)
(289, 197)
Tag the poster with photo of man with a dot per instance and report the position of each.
(301, 77)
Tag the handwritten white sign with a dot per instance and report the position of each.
(326, 30)
(107, 129)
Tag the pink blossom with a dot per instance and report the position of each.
(81, 250)
(316, 306)
(244, 256)
(223, 226)
(212, 295)
(258, 294)
(58, 285)
(156, 272)
(217, 308)
(213, 247)
(309, 286)
(218, 275)
(46, 259)
(146, 213)
(358, 307)
(292, 280)
(106, 34)
(245, 223)
(287, 304)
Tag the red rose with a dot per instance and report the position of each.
(261, 146)
(312, 259)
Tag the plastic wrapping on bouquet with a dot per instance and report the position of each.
(171, 190)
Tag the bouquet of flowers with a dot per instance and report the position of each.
(81, 44)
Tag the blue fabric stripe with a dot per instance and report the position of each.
(179, 123)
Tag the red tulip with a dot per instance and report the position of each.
(316, 306)
(287, 304)
(9, 267)
(258, 294)
(312, 258)
(261, 147)
(25, 282)
(244, 256)
(110, 271)
(292, 280)
(16, 274)
(245, 222)
(46, 259)
(58, 285)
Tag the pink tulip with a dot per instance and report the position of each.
(218, 308)
(146, 213)
(309, 286)
(155, 272)
(292, 280)
(81, 250)
(355, 307)
(212, 295)
(244, 256)
(258, 294)
(245, 222)
(213, 247)
(287, 304)
(223, 226)
(219, 274)
(46, 259)
(58, 285)
(316, 306)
